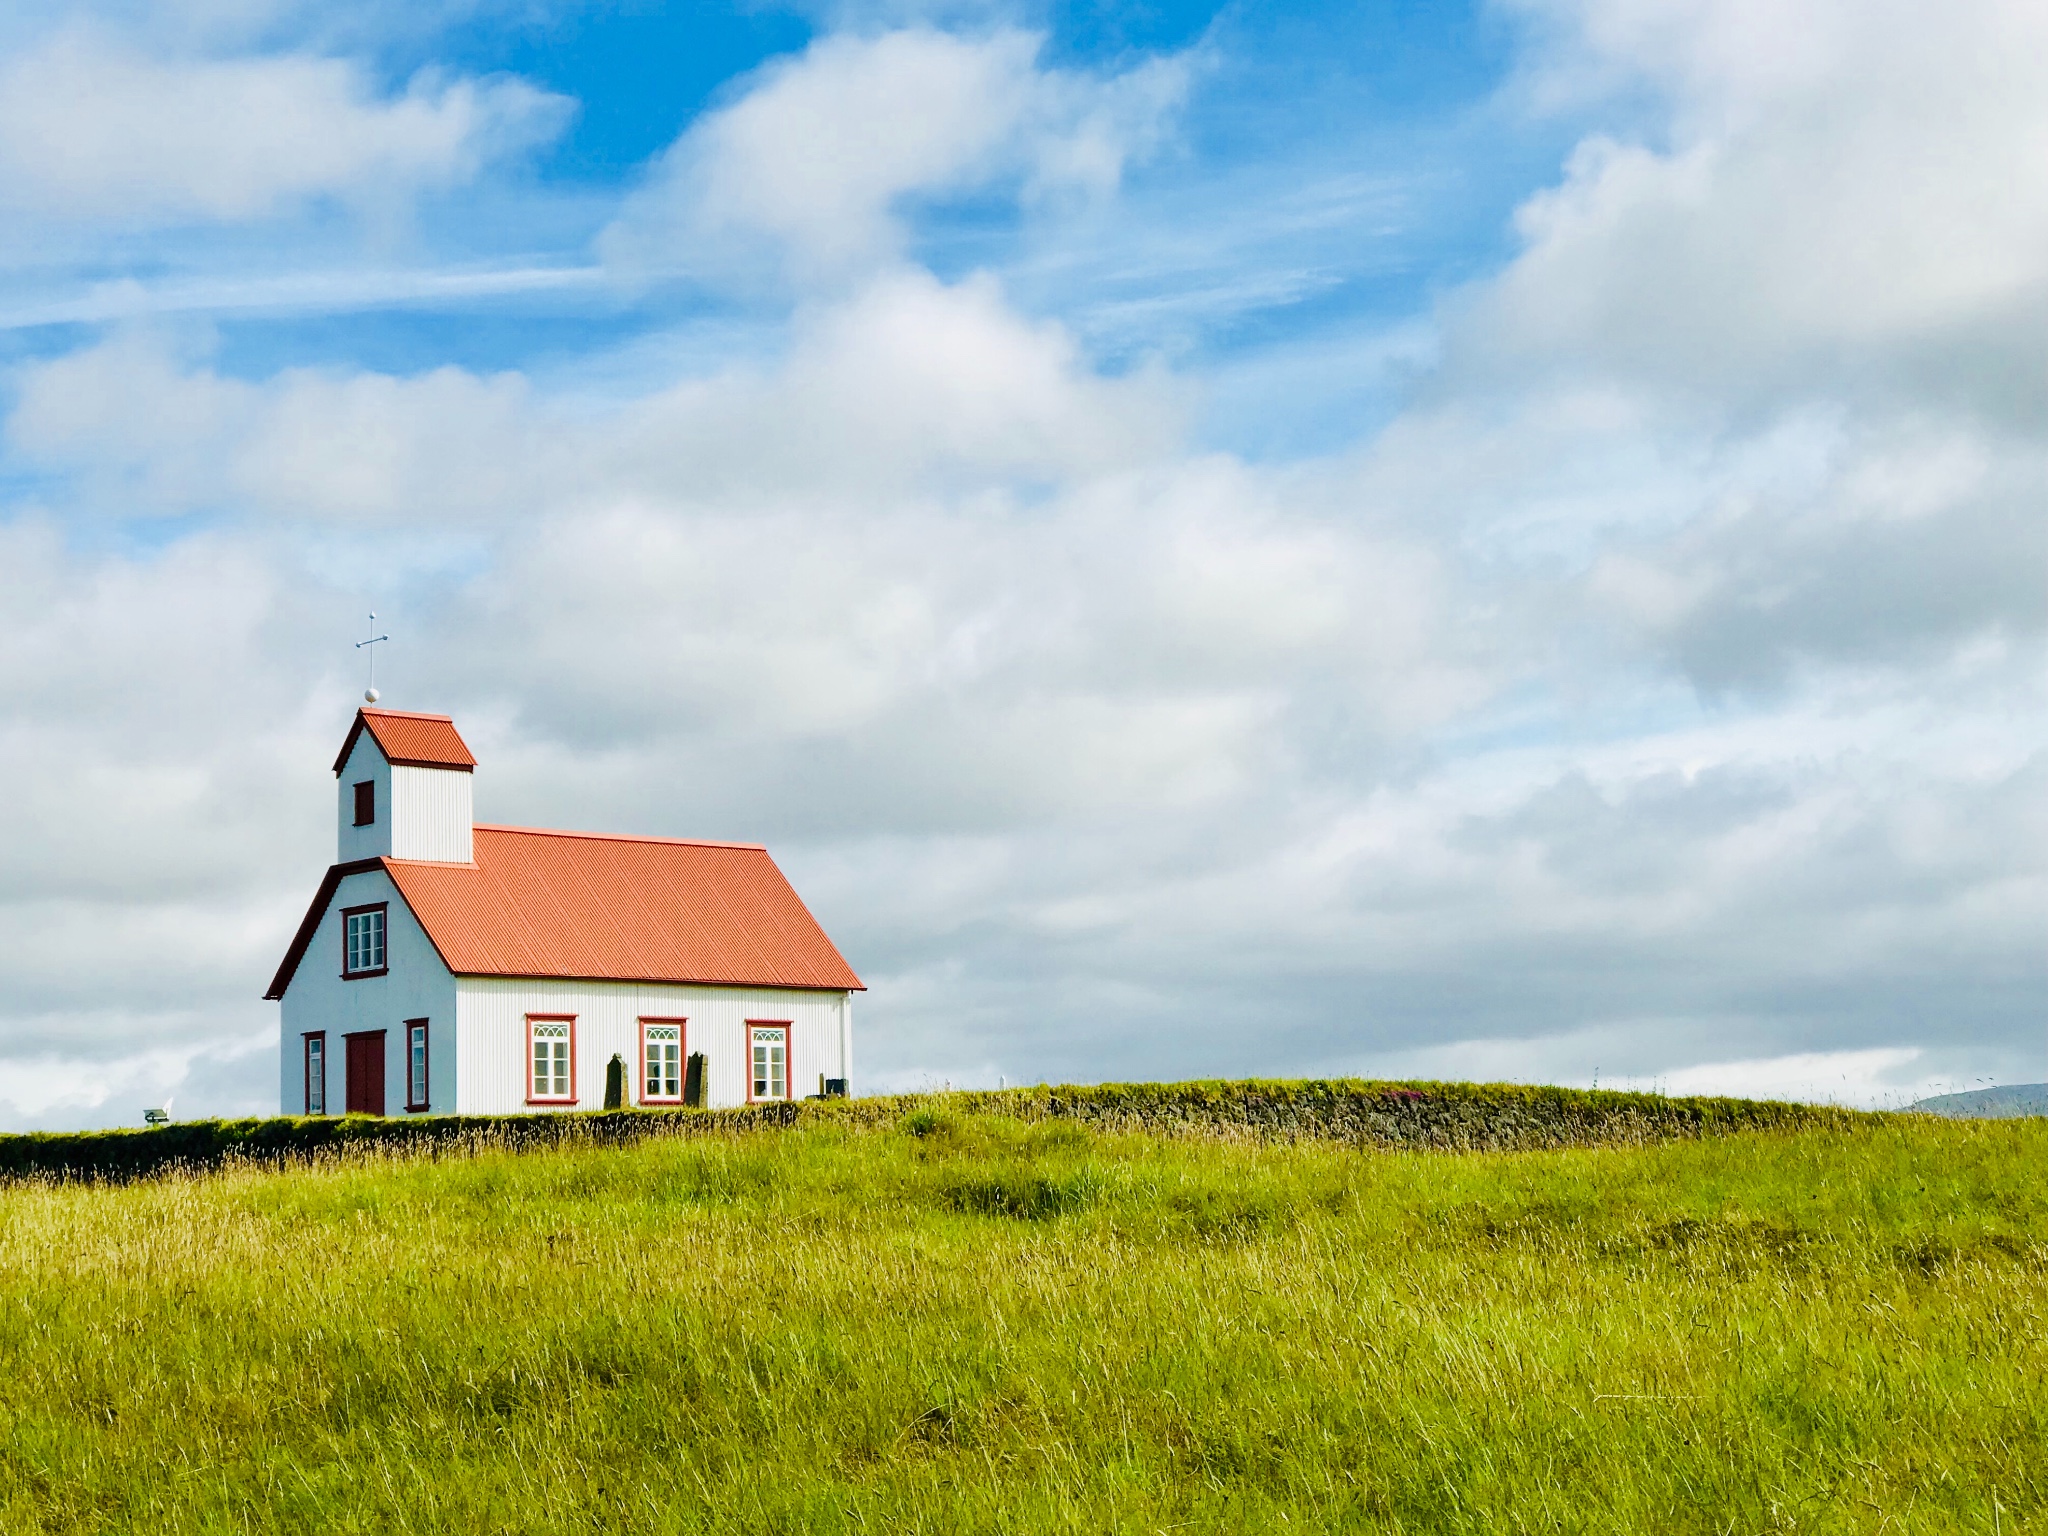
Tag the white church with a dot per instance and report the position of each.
(446, 967)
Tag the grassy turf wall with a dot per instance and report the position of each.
(1445, 1116)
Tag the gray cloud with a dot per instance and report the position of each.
(1919, 538)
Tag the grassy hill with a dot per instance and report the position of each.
(970, 1314)
(1990, 1103)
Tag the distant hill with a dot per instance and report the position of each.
(1990, 1103)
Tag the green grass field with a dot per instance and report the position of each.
(967, 1322)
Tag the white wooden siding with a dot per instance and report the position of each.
(845, 1040)
(422, 813)
(416, 986)
(431, 816)
(491, 1029)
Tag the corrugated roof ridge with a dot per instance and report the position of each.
(623, 837)
(398, 734)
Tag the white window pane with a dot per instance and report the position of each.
(550, 1059)
(660, 1069)
(364, 942)
(770, 1063)
(663, 1052)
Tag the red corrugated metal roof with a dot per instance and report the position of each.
(596, 907)
(591, 907)
(413, 741)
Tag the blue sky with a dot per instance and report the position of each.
(1486, 541)
(1364, 160)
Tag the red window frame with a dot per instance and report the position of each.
(682, 1060)
(788, 1061)
(349, 912)
(366, 803)
(550, 1018)
(413, 1106)
(306, 1070)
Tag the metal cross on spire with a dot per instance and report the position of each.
(370, 693)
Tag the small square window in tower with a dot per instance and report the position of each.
(366, 803)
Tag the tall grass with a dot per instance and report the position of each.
(964, 1322)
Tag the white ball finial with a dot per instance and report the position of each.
(369, 695)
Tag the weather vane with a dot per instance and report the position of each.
(370, 693)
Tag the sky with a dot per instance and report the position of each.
(1498, 541)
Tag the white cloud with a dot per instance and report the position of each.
(1870, 1079)
(91, 128)
(1847, 197)
(152, 849)
(810, 164)
(125, 300)
(1915, 538)
(1743, 548)
(208, 1071)
(906, 384)
(145, 436)
(1885, 1077)
(1042, 706)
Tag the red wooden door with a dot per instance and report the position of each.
(366, 1073)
